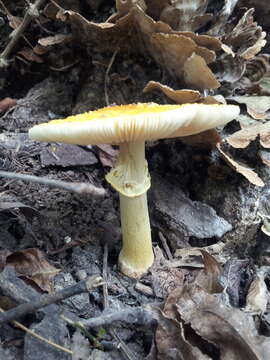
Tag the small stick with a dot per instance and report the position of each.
(17, 33)
(41, 338)
(165, 245)
(78, 188)
(141, 315)
(85, 285)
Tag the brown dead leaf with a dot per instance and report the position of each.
(138, 32)
(257, 106)
(30, 55)
(198, 75)
(171, 342)
(247, 38)
(232, 331)
(165, 277)
(208, 138)
(209, 277)
(14, 21)
(241, 169)
(242, 138)
(179, 96)
(7, 103)
(32, 265)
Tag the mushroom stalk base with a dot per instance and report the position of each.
(136, 255)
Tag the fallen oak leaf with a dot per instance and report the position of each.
(32, 265)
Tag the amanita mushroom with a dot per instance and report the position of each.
(130, 126)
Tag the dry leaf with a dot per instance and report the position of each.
(107, 155)
(164, 276)
(179, 96)
(242, 138)
(170, 338)
(232, 331)
(32, 265)
(257, 106)
(30, 55)
(241, 169)
(198, 75)
(7, 103)
(257, 296)
(209, 277)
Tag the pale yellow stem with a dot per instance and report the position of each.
(136, 255)
(131, 179)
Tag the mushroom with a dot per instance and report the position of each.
(129, 126)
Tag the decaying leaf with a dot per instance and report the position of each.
(179, 96)
(241, 169)
(257, 296)
(198, 75)
(138, 32)
(230, 329)
(30, 55)
(165, 277)
(32, 265)
(257, 106)
(107, 155)
(209, 277)
(242, 138)
(247, 38)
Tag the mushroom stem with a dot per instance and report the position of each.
(131, 179)
(136, 255)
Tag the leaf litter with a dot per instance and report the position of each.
(200, 51)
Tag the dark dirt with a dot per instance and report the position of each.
(195, 200)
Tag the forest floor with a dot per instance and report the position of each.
(207, 294)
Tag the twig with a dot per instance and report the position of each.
(5, 8)
(141, 315)
(165, 245)
(17, 33)
(105, 278)
(106, 80)
(31, 332)
(28, 308)
(78, 188)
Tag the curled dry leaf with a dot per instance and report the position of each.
(171, 342)
(257, 296)
(30, 55)
(241, 169)
(247, 38)
(257, 106)
(209, 277)
(232, 331)
(107, 155)
(179, 96)
(242, 138)
(198, 75)
(138, 32)
(32, 265)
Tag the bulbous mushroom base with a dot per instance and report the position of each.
(131, 270)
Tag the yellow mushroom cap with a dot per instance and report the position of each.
(135, 122)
